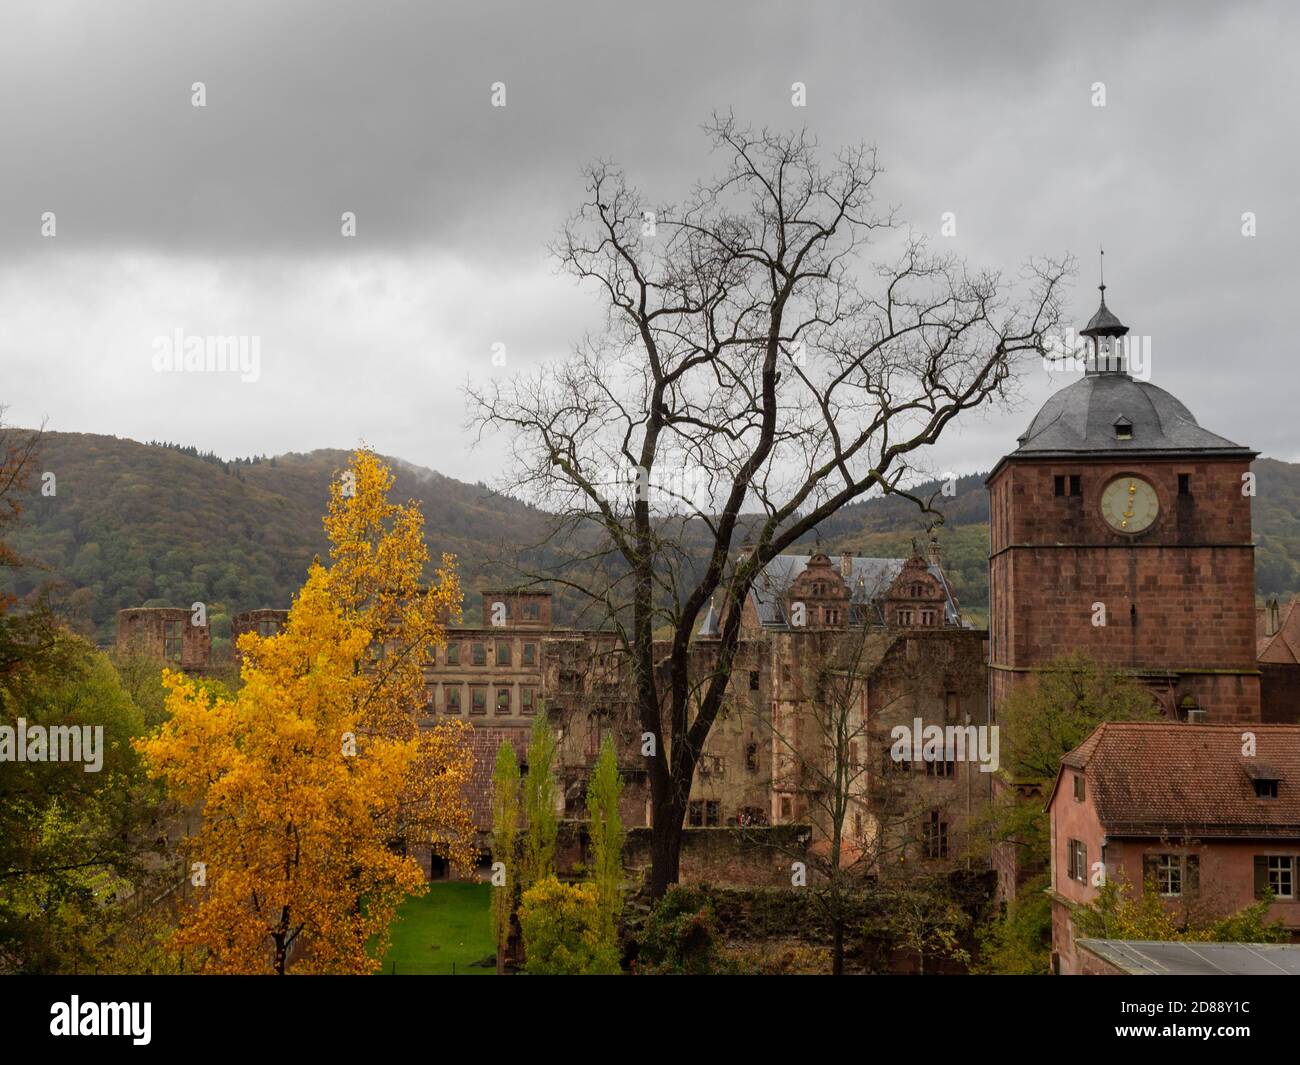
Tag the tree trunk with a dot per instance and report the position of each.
(665, 848)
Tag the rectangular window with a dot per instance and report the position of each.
(172, 640)
(452, 702)
(597, 726)
(751, 757)
(478, 700)
(1058, 485)
(753, 680)
(479, 651)
(941, 769)
(712, 813)
(267, 629)
(1169, 874)
(532, 611)
(695, 813)
(503, 653)
(927, 617)
(526, 699)
(1172, 875)
(936, 836)
(787, 808)
(905, 617)
(530, 654)
(892, 765)
(1076, 485)
(453, 654)
(1184, 484)
(1079, 788)
(1276, 873)
(1077, 861)
(503, 700)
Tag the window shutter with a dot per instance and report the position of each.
(1149, 868)
(1193, 874)
(1261, 875)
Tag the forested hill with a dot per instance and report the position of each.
(135, 524)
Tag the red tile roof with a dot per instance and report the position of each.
(484, 741)
(1166, 778)
(1284, 645)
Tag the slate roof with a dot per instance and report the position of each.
(710, 626)
(869, 580)
(875, 575)
(1140, 957)
(1104, 323)
(1081, 418)
(1158, 778)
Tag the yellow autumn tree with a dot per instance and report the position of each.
(314, 780)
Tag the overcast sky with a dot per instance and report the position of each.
(225, 219)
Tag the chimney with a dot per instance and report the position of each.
(846, 567)
(1270, 617)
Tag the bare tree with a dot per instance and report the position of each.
(753, 377)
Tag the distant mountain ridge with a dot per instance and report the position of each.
(136, 524)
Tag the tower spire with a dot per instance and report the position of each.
(1105, 331)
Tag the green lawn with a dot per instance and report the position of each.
(449, 926)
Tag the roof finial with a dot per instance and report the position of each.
(1102, 271)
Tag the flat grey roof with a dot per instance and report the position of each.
(1141, 957)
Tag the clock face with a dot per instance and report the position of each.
(1129, 504)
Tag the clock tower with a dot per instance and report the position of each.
(1121, 528)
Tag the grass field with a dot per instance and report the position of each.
(447, 930)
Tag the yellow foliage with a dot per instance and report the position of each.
(564, 931)
(315, 769)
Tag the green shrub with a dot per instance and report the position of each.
(680, 936)
(565, 932)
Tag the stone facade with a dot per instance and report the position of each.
(166, 633)
(1179, 598)
(501, 676)
(263, 622)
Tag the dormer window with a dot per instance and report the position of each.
(1123, 428)
(1265, 780)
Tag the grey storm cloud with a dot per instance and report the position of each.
(227, 217)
